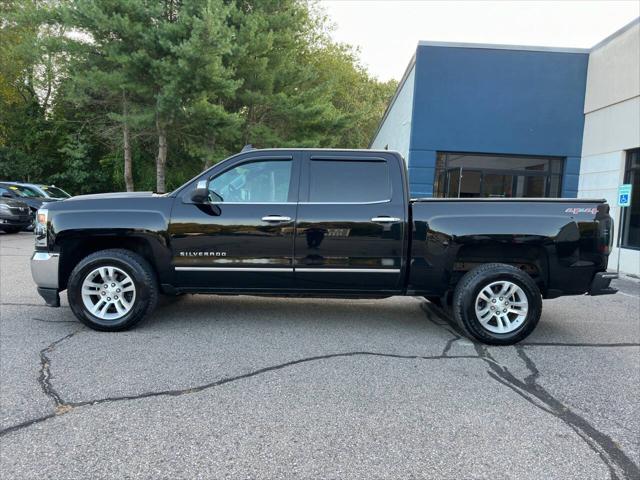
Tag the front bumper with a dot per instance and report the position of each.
(15, 221)
(44, 270)
(600, 284)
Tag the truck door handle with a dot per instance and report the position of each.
(385, 219)
(276, 218)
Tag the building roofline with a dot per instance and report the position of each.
(497, 46)
(616, 34)
(403, 80)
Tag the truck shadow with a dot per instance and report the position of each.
(393, 316)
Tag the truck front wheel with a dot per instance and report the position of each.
(112, 290)
(497, 304)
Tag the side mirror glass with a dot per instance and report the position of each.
(201, 193)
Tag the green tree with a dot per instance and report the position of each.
(97, 94)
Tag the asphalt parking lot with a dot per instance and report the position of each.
(247, 387)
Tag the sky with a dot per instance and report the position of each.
(387, 31)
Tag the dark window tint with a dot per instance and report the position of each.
(631, 223)
(348, 181)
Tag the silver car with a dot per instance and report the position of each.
(45, 191)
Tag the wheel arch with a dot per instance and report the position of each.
(74, 248)
(533, 259)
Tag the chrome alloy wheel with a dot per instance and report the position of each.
(501, 307)
(108, 293)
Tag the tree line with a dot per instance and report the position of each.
(100, 95)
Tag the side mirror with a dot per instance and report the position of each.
(7, 195)
(201, 193)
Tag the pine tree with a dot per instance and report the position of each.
(158, 66)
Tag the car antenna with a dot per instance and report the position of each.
(246, 148)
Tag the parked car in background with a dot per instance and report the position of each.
(14, 215)
(45, 191)
(25, 195)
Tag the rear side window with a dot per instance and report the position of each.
(349, 181)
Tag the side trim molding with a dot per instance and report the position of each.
(288, 269)
(232, 269)
(347, 270)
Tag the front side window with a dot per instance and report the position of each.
(254, 182)
(338, 181)
(631, 223)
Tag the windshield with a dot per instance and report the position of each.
(54, 192)
(23, 191)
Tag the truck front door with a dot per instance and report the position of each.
(241, 239)
(350, 234)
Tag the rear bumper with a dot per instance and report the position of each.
(600, 284)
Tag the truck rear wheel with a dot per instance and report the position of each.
(112, 290)
(497, 304)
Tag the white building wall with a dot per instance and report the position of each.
(612, 126)
(395, 131)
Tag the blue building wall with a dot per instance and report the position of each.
(492, 100)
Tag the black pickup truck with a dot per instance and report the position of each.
(322, 223)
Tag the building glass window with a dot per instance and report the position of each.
(471, 175)
(631, 222)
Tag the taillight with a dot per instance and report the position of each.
(605, 235)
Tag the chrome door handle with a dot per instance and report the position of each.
(385, 219)
(276, 218)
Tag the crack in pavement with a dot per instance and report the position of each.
(62, 407)
(456, 335)
(44, 379)
(618, 463)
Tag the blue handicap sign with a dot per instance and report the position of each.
(624, 195)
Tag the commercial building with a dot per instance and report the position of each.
(476, 120)
(610, 153)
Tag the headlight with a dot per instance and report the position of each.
(4, 206)
(42, 217)
(41, 227)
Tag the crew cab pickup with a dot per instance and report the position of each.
(334, 223)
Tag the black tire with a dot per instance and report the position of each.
(470, 286)
(11, 229)
(138, 269)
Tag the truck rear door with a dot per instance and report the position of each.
(350, 233)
